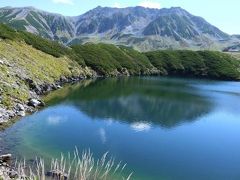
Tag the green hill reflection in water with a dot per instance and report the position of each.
(164, 102)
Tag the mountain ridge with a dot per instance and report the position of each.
(142, 28)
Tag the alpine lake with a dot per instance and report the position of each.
(163, 128)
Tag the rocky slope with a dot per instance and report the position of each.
(26, 73)
(233, 48)
(143, 28)
(48, 25)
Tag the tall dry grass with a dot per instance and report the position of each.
(75, 166)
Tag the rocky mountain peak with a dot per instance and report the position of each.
(133, 26)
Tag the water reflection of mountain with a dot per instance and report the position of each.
(165, 102)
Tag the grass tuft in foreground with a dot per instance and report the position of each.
(74, 167)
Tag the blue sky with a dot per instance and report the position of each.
(224, 14)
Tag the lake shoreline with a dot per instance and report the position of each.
(10, 116)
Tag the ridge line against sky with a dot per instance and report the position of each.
(221, 13)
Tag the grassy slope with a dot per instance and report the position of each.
(22, 61)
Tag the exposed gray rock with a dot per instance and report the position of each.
(20, 107)
(21, 113)
(33, 86)
(57, 174)
(59, 87)
(3, 115)
(6, 172)
(125, 72)
(34, 102)
(6, 157)
(46, 88)
(63, 79)
(12, 174)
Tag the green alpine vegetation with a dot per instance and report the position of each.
(25, 56)
(110, 60)
(208, 64)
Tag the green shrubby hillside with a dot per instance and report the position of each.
(206, 64)
(97, 58)
(110, 60)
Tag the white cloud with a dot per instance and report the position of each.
(69, 2)
(150, 4)
(116, 5)
(141, 126)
